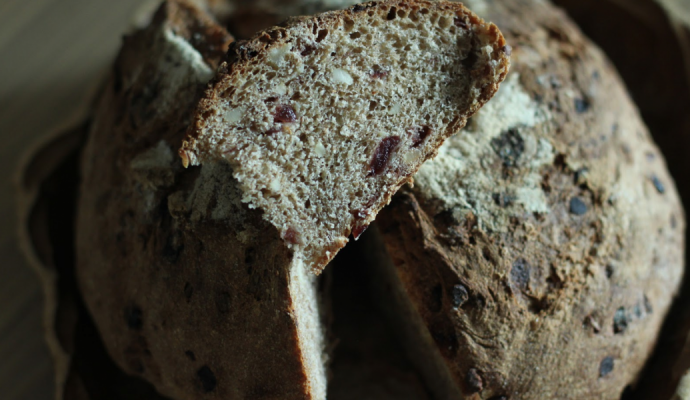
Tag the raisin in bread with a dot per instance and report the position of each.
(324, 118)
(188, 288)
(538, 254)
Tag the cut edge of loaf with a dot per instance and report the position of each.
(413, 333)
(321, 173)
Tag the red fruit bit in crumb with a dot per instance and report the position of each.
(419, 134)
(382, 155)
(358, 230)
(284, 113)
(291, 236)
(378, 74)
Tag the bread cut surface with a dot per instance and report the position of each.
(323, 119)
(541, 249)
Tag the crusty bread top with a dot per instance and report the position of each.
(544, 244)
(324, 118)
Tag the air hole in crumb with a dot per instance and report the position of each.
(419, 134)
(460, 23)
(296, 96)
(307, 204)
(355, 35)
(424, 11)
(372, 105)
(272, 131)
(470, 60)
(322, 35)
(391, 14)
(308, 49)
(402, 14)
(348, 24)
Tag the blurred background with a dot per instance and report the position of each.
(52, 53)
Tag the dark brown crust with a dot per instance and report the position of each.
(179, 300)
(527, 329)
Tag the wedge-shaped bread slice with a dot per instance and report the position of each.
(323, 119)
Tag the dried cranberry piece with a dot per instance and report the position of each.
(378, 74)
(291, 236)
(284, 113)
(358, 230)
(419, 134)
(382, 155)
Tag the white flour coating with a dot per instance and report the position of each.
(180, 70)
(462, 176)
(160, 156)
(181, 67)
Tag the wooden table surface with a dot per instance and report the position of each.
(51, 52)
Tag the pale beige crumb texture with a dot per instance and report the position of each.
(544, 244)
(325, 118)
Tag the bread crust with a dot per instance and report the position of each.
(545, 274)
(187, 286)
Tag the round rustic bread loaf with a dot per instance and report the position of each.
(190, 288)
(539, 253)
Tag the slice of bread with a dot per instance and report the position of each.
(324, 118)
